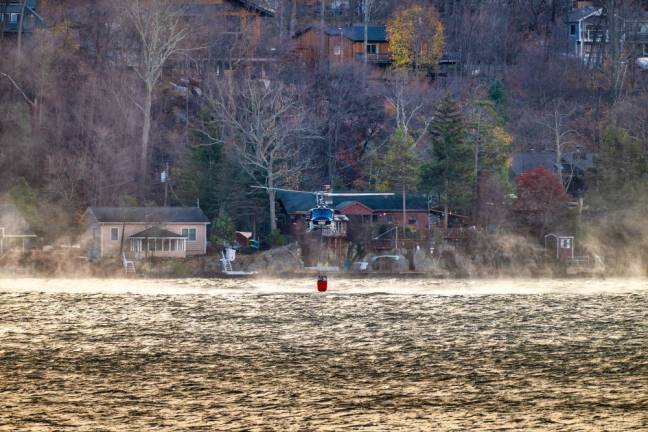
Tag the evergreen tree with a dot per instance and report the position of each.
(400, 166)
(450, 173)
(621, 173)
(223, 229)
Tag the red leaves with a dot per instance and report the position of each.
(539, 190)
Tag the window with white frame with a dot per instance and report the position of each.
(337, 50)
(372, 49)
(189, 233)
(114, 234)
(13, 18)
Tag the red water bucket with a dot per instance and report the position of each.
(322, 284)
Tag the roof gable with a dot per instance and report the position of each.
(156, 233)
(259, 6)
(353, 208)
(148, 214)
(584, 13)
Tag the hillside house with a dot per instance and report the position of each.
(343, 45)
(574, 166)
(586, 30)
(589, 34)
(139, 232)
(15, 232)
(233, 33)
(13, 11)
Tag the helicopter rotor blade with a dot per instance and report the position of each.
(356, 194)
(283, 190)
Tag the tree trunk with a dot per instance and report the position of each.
(476, 173)
(558, 147)
(293, 18)
(321, 31)
(20, 26)
(146, 136)
(273, 210)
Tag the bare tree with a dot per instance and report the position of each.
(557, 123)
(410, 101)
(265, 126)
(159, 33)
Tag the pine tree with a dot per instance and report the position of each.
(450, 172)
(399, 168)
(621, 173)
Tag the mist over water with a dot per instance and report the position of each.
(376, 354)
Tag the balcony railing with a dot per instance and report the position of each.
(375, 58)
(594, 35)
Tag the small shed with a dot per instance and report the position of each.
(15, 232)
(563, 245)
(243, 238)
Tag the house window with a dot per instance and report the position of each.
(190, 233)
(13, 18)
(565, 243)
(572, 29)
(372, 48)
(114, 234)
(337, 50)
(412, 221)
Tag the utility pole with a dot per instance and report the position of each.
(404, 210)
(165, 180)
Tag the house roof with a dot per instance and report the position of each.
(260, 6)
(345, 204)
(375, 33)
(156, 233)
(583, 13)
(148, 214)
(527, 161)
(582, 161)
(13, 222)
(299, 202)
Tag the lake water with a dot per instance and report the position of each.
(369, 355)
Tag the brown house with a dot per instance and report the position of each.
(343, 45)
(231, 32)
(145, 231)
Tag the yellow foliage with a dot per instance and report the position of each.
(416, 36)
(502, 137)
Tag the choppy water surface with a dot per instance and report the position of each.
(369, 355)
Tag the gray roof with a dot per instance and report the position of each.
(260, 6)
(582, 161)
(527, 161)
(156, 233)
(301, 202)
(148, 214)
(13, 222)
(375, 33)
(582, 13)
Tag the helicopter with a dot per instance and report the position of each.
(321, 216)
